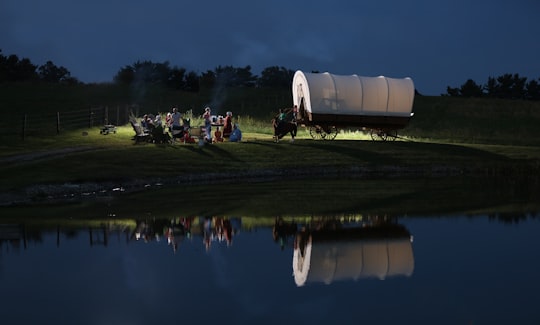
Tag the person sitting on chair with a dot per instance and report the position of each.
(217, 135)
(236, 135)
(144, 122)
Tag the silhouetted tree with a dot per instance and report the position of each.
(518, 87)
(452, 91)
(229, 76)
(533, 90)
(176, 79)
(505, 83)
(470, 89)
(13, 69)
(275, 76)
(192, 82)
(491, 88)
(125, 76)
(245, 78)
(509, 86)
(146, 72)
(49, 72)
(208, 79)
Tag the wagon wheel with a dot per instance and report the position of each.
(331, 133)
(391, 135)
(378, 134)
(317, 132)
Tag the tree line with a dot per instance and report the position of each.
(140, 73)
(13, 69)
(508, 86)
(148, 72)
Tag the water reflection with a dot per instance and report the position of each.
(210, 229)
(329, 250)
(297, 234)
(308, 270)
(324, 249)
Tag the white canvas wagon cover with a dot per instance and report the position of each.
(329, 261)
(326, 93)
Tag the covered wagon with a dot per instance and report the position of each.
(326, 102)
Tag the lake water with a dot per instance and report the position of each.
(349, 269)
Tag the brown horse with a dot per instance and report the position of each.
(281, 128)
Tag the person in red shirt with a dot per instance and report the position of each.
(227, 125)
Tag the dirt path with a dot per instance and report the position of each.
(41, 155)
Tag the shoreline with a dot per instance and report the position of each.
(71, 191)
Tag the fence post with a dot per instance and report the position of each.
(57, 122)
(24, 125)
(90, 118)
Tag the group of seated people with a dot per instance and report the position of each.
(234, 136)
(230, 131)
(179, 126)
(153, 126)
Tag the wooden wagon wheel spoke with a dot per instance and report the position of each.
(331, 133)
(374, 134)
(378, 134)
(315, 132)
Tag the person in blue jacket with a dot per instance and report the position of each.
(236, 135)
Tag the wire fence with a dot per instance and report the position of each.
(54, 123)
(46, 124)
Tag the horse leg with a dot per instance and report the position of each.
(293, 131)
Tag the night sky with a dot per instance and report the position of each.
(438, 43)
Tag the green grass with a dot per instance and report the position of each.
(474, 120)
(116, 158)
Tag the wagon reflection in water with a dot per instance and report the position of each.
(328, 250)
